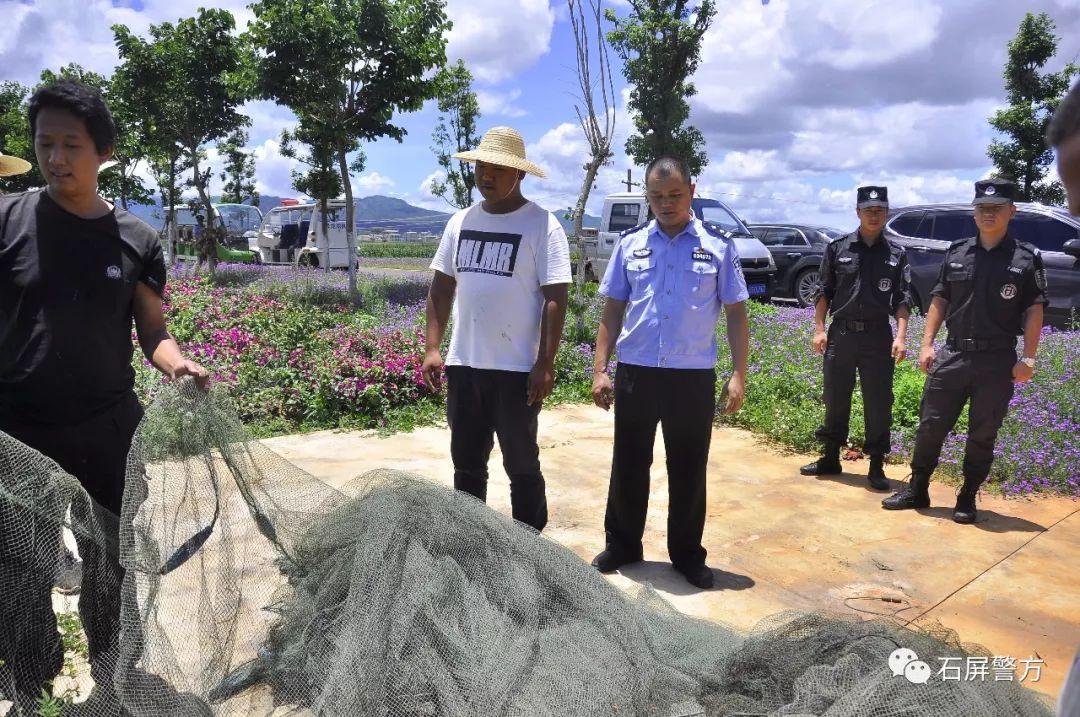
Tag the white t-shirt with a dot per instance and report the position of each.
(500, 261)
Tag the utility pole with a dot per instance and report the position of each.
(630, 184)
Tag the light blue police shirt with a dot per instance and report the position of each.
(674, 290)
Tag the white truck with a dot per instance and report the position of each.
(292, 234)
(628, 209)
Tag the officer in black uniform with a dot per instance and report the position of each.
(864, 281)
(990, 288)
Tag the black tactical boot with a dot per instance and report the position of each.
(828, 464)
(876, 474)
(965, 501)
(916, 495)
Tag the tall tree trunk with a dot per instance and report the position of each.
(324, 207)
(350, 222)
(210, 231)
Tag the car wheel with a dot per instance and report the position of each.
(806, 288)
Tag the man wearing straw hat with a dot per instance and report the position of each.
(503, 266)
(11, 166)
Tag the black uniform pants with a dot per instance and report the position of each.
(870, 353)
(984, 377)
(94, 452)
(481, 404)
(683, 402)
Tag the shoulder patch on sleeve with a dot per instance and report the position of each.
(716, 230)
(632, 230)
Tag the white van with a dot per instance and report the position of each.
(628, 209)
(292, 234)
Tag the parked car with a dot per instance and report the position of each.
(627, 209)
(797, 250)
(927, 230)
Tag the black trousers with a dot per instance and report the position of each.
(481, 404)
(683, 402)
(94, 452)
(870, 353)
(984, 378)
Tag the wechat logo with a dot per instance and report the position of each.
(905, 662)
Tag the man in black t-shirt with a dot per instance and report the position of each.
(74, 272)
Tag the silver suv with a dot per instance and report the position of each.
(927, 230)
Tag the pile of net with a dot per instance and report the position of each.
(252, 588)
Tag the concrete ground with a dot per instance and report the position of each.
(780, 541)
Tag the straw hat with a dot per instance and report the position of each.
(10, 166)
(503, 146)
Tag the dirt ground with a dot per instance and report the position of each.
(780, 541)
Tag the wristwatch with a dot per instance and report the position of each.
(1028, 361)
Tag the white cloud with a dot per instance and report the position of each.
(273, 172)
(499, 39)
(499, 103)
(372, 182)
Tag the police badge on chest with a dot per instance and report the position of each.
(700, 254)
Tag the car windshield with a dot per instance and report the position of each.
(830, 233)
(719, 215)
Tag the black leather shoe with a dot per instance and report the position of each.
(915, 495)
(611, 560)
(876, 474)
(825, 466)
(965, 507)
(700, 576)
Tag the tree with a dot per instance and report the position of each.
(189, 80)
(345, 67)
(239, 173)
(120, 182)
(455, 132)
(15, 137)
(321, 181)
(597, 121)
(1023, 156)
(660, 46)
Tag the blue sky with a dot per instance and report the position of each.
(799, 100)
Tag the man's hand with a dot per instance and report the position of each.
(431, 370)
(821, 338)
(541, 381)
(736, 392)
(187, 367)
(1022, 373)
(926, 357)
(899, 349)
(602, 392)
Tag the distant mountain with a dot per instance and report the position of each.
(372, 212)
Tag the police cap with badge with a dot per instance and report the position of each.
(872, 197)
(994, 191)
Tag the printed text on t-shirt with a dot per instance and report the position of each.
(487, 252)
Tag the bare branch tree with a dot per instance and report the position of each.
(598, 126)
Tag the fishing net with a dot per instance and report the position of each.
(251, 588)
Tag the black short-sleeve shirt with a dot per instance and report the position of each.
(864, 282)
(67, 288)
(989, 290)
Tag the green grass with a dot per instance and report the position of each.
(397, 250)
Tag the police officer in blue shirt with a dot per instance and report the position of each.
(665, 286)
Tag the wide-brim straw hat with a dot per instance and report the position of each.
(505, 147)
(10, 166)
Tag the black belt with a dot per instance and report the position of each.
(860, 326)
(980, 344)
